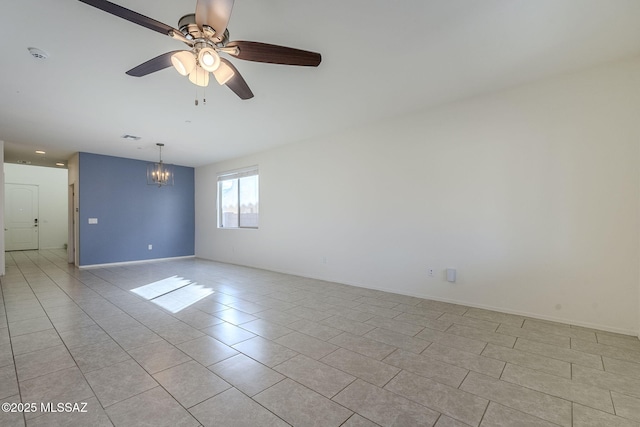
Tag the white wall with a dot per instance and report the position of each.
(53, 200)
(533, 194)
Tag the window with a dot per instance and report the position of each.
(238, 198)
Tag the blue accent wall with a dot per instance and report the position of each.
(131, 214)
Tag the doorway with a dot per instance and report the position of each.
(21, 217)
(72, 257)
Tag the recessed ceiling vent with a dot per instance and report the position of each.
(23, 162)
(38, 53)
(132, 137)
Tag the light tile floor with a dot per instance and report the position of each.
(269, 349)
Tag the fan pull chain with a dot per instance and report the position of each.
(204, 94)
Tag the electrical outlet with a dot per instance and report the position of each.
(150, 247)
(430, 272)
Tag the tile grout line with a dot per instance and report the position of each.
(13, 356)
(69, 351)
(82, 372)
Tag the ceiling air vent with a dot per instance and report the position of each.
(132, 137)
(23, 162)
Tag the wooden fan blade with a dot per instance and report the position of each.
(214, 13)
(130, 16)
(151, 66)
(237, 83)
(272, 54)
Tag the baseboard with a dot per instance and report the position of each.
(142, 261)
(515, 312)
(534, 316)
(589, 325)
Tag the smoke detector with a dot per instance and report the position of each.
(38, 53)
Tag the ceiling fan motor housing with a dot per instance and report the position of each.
(188, 27)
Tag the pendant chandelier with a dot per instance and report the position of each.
(159, 174)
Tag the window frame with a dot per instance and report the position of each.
(236, 174)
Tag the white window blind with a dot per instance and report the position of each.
(238, 173)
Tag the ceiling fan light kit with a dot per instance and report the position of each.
(206, 34)
(184, 62)
(208, 59)
(223, 74)
(199, 77)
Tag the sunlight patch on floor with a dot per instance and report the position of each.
(173, 293)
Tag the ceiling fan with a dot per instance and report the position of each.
(206, 34)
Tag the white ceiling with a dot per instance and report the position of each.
(380, 59)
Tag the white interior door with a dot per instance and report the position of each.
(21, 217)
